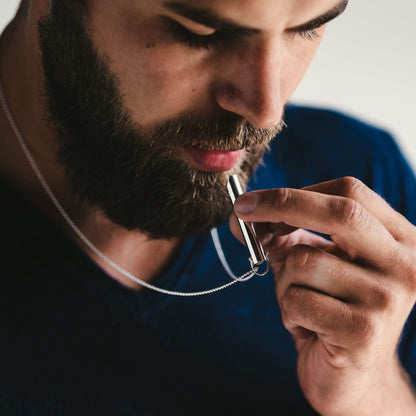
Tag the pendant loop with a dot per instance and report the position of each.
(255, 267)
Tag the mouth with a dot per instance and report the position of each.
(212, 160)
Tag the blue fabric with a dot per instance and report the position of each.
(74, 341)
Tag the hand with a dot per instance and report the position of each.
(344, 301)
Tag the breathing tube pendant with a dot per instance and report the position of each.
(259, 260)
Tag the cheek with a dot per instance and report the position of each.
(158, 78)
(160, 83)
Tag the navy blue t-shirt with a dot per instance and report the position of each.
(74, 341)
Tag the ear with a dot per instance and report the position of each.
(33, 10)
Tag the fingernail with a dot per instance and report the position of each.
(246, 203)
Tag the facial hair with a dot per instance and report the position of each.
(134, 173)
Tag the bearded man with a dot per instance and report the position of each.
(121, 124)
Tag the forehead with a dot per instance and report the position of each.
(260, 13)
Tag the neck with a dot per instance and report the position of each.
(22, 77)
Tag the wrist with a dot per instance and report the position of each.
(391, 393)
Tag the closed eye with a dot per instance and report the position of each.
(307, 34)
(201, 41)
(222, 28)
(190, 38)
(198, 41)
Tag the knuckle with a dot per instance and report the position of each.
(412, 238)
(282, 199)
(348, 211)
(363, 327)
(291, 299)
(381, 297)
(408, 272)
(351, 187)
(301, 257)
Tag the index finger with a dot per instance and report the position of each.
(350, 187)
(352, 228)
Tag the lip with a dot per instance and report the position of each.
(213, 160)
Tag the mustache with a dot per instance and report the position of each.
(219, 131)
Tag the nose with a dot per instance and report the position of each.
(249, 84)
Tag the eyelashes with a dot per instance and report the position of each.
(195, 41)
(191, 39)
(309, 34)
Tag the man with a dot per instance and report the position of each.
(121, 124)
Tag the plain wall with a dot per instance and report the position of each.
(366, 66)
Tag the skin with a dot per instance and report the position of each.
(260, 90)
(160, 79)
(344, 303)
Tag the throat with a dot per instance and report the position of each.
(133, 252)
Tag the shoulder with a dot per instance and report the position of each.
(325, 144)
(327, 126)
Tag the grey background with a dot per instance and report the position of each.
(366, 66)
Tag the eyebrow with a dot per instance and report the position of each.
(211, 19)
(322, 19)
(208, 17)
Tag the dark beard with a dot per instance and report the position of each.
(134, 175)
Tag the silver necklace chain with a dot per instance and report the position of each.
(90, 245)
